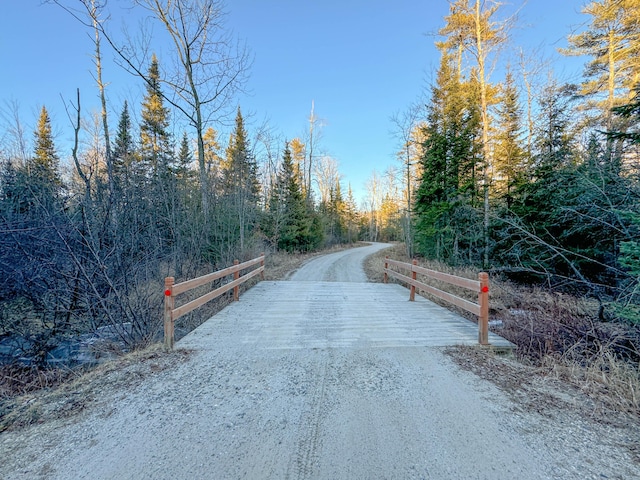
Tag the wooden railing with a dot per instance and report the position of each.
(481, 309)
(171, 290)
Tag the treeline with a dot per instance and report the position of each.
(89, 248)
(536, 182)
(86, 240)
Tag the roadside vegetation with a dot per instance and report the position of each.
(557, 336)
(35, 393)
(531, 179)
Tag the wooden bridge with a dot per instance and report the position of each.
(310, 315)
(301, 314)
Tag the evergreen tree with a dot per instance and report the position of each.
(154, 174)
(241, 187)
(124, 148)
(509, 155)
(44, 165)
(448, 165)
(612, 40)
(184, 159)
(351, 217)
(540, 221)
(631, 111)
(291, 206)
(214, 164)
(155, 143)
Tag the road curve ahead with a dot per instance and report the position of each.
(345, 266)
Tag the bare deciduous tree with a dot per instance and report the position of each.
(211, 66)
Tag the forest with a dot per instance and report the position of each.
(526, 177)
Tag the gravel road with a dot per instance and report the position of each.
(344, 266)
(236, 410)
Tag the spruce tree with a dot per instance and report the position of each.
(294, 224)
(449, 163)
(509, 155)
(44, 184)
(184, 158)
(124, 148)
(155, 142)
(241, 187)
(45, 159)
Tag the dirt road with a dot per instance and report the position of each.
(237, 409)
(345, 266)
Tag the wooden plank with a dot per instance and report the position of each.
(250, 263)
(467, 283)
(187, 307)
(398, 275)
(460, 302)
(397, 263)
(197, 282)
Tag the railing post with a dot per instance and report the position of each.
(386, 266)
(168, 313)
(483, 301)
(236, 289)
(262, 266)
(412, 295)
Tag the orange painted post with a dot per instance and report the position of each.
(483, 301)
(262, 266)
(236, 289)
(168, 313)
(412, 295)
(386, 266)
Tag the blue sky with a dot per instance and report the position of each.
(360, 61)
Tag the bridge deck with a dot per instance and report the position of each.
(307, 315)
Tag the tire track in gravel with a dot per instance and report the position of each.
(307, 454)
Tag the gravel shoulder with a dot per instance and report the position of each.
(236, 409)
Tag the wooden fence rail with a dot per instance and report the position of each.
(171, 290)
(481, 309)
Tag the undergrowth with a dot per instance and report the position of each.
(20, 381)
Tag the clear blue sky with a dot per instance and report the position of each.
(360, 61)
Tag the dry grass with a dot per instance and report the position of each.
(78, 390)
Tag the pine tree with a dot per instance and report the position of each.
(45, 159)
(631, 111)
(351, 216)
(184, 159)
(509, 155)
(449, 164)
(124, 148)
(294, 225)
(155, 143)
(612, 40)
(44, 184)
(299, 154)
(471, 29)
(214, 164)
(240, 186)
(154, 172)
